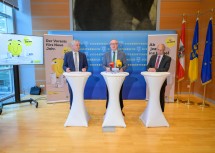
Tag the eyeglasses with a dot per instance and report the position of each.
(113, 43)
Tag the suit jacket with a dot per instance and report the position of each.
(69, 61)
(107, 58)
(164, 64)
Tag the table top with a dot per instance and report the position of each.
(114, 74)
(77, 74)
(155, 74)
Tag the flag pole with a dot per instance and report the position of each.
(188, 101)
(203, 104)
(177, 99)
(212, 13)
(181, 56)
(177, 93)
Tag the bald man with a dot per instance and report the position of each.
(107, 58)
(160, 63)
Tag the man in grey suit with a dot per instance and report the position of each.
(112, 56)
(160, 63)
(74, 61)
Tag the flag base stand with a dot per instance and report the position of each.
(183, 101)
(203, 105)
(177, 100)
(188, 101)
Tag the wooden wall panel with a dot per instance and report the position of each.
(47, 9)
(49, 1)
(48, 15)
(174, 23)
(47, 23)
(176, 8)
(171, 22)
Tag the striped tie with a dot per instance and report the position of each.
(157, 62)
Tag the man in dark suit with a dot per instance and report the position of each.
(74, 61)
(112, 56)
(160, 63)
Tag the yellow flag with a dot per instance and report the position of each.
(193, 65)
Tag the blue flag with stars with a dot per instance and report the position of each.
(206, 74)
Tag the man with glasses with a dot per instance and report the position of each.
(111, 57)
(160, 63)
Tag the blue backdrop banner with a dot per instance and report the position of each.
(95, 43)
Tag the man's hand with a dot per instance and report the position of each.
(84, 69)
(68, 69)
(121, 70)
(107, 69)
(151, 70)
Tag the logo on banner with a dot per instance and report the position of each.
(138, 59)
(139, 48)
(170, 42)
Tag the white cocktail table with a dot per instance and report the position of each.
(153, 116)
(113, 115)
(78, 115)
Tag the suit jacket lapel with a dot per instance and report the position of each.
(118, 55)
(80, 60)
(162, 60)
(110, 57)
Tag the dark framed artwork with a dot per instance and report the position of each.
(100, 15)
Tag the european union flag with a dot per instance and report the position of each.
(206, 74)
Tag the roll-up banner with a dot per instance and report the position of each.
(55, 46)
(170, 41)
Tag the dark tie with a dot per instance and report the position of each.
(113, 56)
(157, 62)
(76, 62)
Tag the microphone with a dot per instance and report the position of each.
(111, 64)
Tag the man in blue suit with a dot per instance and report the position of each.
(112, 56)
(160, 63)
(74, 61)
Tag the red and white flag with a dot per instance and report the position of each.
(181, 54)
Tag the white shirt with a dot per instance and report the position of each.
(77, 58)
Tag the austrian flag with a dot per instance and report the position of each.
(181, 54)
